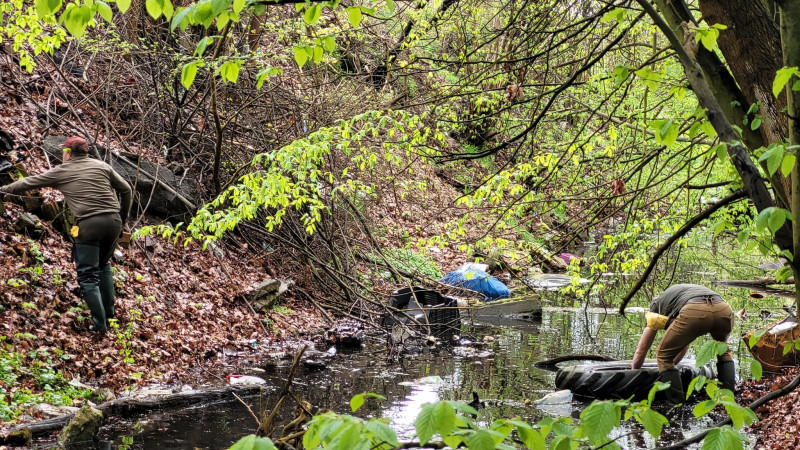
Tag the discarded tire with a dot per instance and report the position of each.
(616, 379)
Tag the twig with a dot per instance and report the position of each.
(267, 425)
(258, 422)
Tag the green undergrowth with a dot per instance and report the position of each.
(23, 373)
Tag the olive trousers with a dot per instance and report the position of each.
(94, 247)
(696, 318)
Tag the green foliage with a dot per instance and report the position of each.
(298, 177)
(782, 76)
(411, 261)
(252, 442)
(358, 400)
(19, 372)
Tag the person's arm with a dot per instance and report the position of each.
(126, 199)
(47, 179)
(648, 336)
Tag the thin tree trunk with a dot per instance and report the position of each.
(790, 37)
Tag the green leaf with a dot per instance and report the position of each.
(318, 52)
(758, 333)
(703, 408)
(530, 437)
(756, 123)
(776, 220)
(222, 20)
(188, 73)
(598, 419)
(721, 150)
(252, 442)
(230, 70)
(356, 402)
(651, 79)
(123, 5)
(382, 431)
(390, 5)
(202, 45)
(46, 8)
(300, 56)
(76, 19)
(354, 15)
(329, 44)
(705, 353)
(167, 9)
(782, 77)
(714, 440)
(313, 14)
(653, 422)
(788, 164)
(104, 10)
(615, 14)
(238, 5)
(666, 131)
(620, 74)
(720, 348)
(154, 8)
(181, 18)
(481, 440)
(425, 424)
(695, 385)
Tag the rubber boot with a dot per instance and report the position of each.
(106, 285)
(726, 374)
(674, 392)
(86, 262)
(95, 303)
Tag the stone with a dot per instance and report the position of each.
(82, 428)
(266, 294)
(29, 224)
(49, 410)
(155, 197)
(18, 438)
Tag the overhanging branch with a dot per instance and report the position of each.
(705, 214)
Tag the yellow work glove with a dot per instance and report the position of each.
(656, 321)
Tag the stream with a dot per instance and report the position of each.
(498, 366)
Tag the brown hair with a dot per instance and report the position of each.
(77, 145)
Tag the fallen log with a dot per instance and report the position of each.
(127, 406)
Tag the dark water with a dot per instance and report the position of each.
(499, 367)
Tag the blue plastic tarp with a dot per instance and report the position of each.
(479, 281)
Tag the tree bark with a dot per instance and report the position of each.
(790, 38)
(748, 172)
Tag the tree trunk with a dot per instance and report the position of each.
(790, 37)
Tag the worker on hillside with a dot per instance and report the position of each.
(89, 188)
(686, 312)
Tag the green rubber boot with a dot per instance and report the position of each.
(106, 285)
(726, 374)
(674, 392)
(87, 262)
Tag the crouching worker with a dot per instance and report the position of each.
(686, 312)
(90, 188)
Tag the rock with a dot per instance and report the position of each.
(29, 224)
(82, 428)
(17, 438)
(54, 411)
(266, 294)
(156, 197)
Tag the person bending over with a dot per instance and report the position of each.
(90, 188)
(686, 312)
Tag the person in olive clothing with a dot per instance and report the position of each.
(686, 312)
(90, 188)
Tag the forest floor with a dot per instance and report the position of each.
(182, 320)
(779, 420)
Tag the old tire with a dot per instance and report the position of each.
(616, 379)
